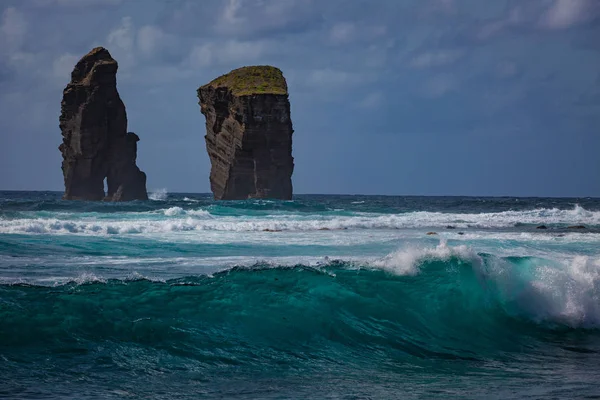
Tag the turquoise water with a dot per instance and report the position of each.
(320, 297)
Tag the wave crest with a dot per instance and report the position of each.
(180, 219)
(434, 282)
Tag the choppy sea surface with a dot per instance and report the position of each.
(342, 297)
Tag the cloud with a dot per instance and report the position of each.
(439, 85)
(13, 28)
(532, 16)
(234, 51)
(201, 56)
(21, 61)
(436, 58)
(260, 17)
(567, 13)
(150, 38)
(78, 3)
(63, 65)
(372, 100)
(121, 43)
(506, 69)
(230, 12)
(445, 6)
(122, 36)
(522, 16)
(350, 32)
(342, 32)
(13, 35)
(330, 77)
(225, 53)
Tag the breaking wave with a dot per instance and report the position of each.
(179, 219)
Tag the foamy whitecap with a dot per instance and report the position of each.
(407, 261)
(178, 211)
(170, 212)
(88, 277)
(177, 219)
(567, 293)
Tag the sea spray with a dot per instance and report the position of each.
(158, 195)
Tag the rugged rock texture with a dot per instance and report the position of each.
(96, 144)
(249, 134)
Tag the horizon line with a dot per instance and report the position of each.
(355, 194)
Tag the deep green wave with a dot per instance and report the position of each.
(448, 310)
(259, 332)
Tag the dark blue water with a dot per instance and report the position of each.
(320, 297)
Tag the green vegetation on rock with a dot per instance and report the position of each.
(246, 81)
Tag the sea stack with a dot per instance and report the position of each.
(249, 134)
(96, 144)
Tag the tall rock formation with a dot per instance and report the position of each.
(96, 144)
(249, 134)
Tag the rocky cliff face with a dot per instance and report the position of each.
(96, 144)
(249, 134)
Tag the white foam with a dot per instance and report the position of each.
(88, 277)
(136, 276)
(159, 195)
(564, 291)
(170, 212)
(203, 221)
(178, 211)
(567, 293)
(407, 261)
(43, 271)
(178, 225)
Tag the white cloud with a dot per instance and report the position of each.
(342, 32)
(121, 41)
(150, 38)
(506, 69)
(490, 29)
(439, 85)
(122, 36)
(13, 28)
(436, 58)
(21, 61)
(77, 3)
(349, 32)
(230, 12)
(248, 17)
(331, 77)
(235, 51)
(201, 56)
(445, 7)
(63, 65)
(372, 100)
(524, 14)
(225, 53)
(13, 32)
(545, 14)
(566, 13)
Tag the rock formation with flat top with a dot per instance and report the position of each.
(96, 144)
(249, 134)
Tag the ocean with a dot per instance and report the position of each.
(325, 297)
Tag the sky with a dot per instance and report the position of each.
(397, 97)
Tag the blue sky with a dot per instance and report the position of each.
(409, 97)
